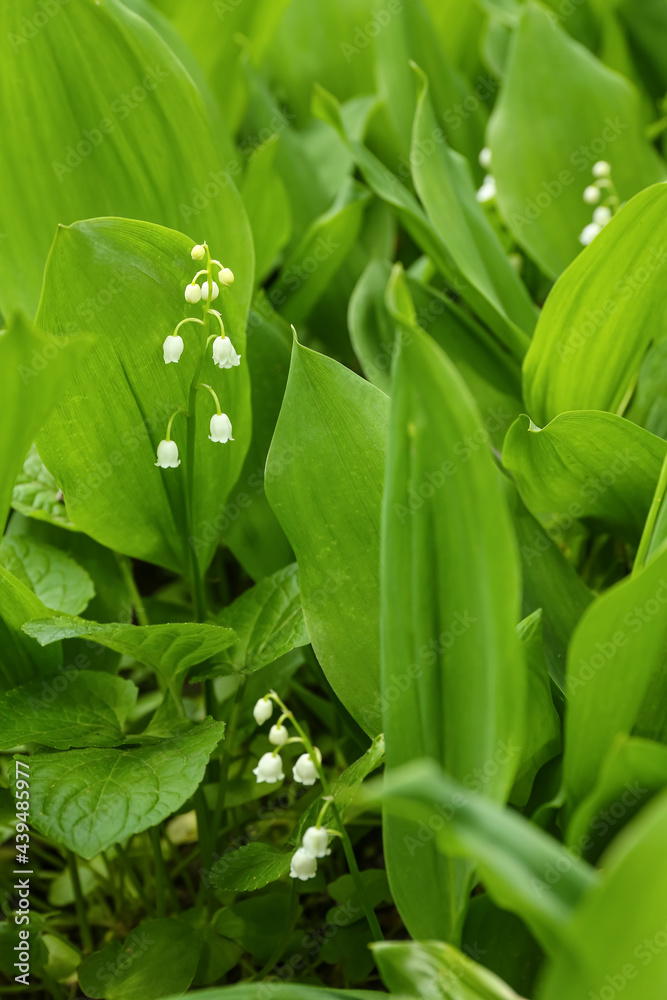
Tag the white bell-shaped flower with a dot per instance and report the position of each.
(269, 768)
(221, 428)
(224, 355)
(316, 841)
(172, 348)
(601, 169)
(602, 215)
(192, 293)
(487, 192)
(167, 455)
(588, 233)
(304, 771)
(204, 290)
(485, 158)
(198, 252)
(303, 866)
(263, 710)
(278, 735)
(592, 194)
(226, 277)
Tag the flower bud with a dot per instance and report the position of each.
(172, 348)
(226, 277)
(487, 192)
(316, 841)
(588, 233)
(263, 710)
(224, 355)
(485, 158)
(278, 735)
(269, 768)
(192, 293)
(167, 455)
(221, 428)
(592, 194)
(214, 293)
(198, 252)
(601, 169)
(305, 771)
(303, 866)
(602, 215)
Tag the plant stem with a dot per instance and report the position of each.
(80, 904)
(198, 593)
(225, 762)
(649, 526)
(159, 871)
(369, 912)
(128, 577)
(128, 869)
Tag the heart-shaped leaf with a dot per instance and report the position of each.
(89, 799)
(90, 711)
(168, 649)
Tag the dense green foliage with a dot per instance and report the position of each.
(411, 441)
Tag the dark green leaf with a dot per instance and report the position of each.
(89, 799)
(90, 711)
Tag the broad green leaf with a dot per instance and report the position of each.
(36, 493)
(550, 582)
(491, 374)
(327, 500)
(101, 441)
(337, 49)
(169, 649)
(408, 33)
(286, 991)
(21, 658)
(249, 868)
(648, 406)
(444, 183)
(523, 869)
(249, 526)
(559, 111)
(616, 648)
(156, 957)
(633, 771)
(388, 187)
(90, 711)
(268, 621)
(502, 943)
(89, 799)
(437, 971)
(601, 316)
(542, 738)
(586, 465)
(312, 264)
(100, 119)
(59, 582)
(371, 326)
(453, 676)
(34, 370)
(619, 928)
(265, 200)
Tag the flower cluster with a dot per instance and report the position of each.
(487, 192)
(315, 841)
(602, 194)
(223, 353)
(270, 765)
(314, 845)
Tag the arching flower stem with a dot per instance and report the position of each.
(369, 912)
